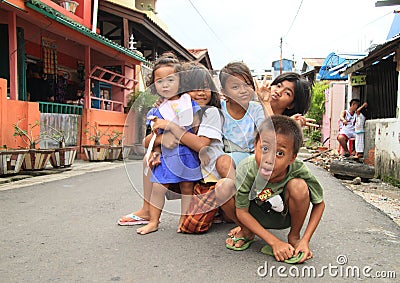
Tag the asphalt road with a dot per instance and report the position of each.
(63, 229)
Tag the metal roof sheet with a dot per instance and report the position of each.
(57, 16)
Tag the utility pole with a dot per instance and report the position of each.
(280, 63)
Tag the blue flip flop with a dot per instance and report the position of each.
(245, 246)
(267, 249)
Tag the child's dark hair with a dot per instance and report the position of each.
(302, 92)
(167, 59)
(285, 126)
(197, 77)
(355, 100)
(237, 69)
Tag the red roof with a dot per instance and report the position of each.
(198, 52)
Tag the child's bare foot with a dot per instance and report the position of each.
(149, 228)
(239, 240)
(234, 231)
(135, 218)
(145, 214)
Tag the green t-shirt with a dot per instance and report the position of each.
(249, 184)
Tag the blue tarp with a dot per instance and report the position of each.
(287, 65)
(395, 28)
(334, 63)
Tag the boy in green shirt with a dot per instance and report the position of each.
(274, 191)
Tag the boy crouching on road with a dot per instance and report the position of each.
(274, 191)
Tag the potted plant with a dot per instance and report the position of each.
(114, 151)
(11, 160)
(96, 152)
(62, 156)
(35, 159)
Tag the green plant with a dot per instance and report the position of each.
(57, 135)
(391, 180)
(141, 103)
(312, 138)
(115, 136)
(27, 136)
(317, 107)
(141, 100)
(94, 133)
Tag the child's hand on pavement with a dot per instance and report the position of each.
(302, 246)
(283, 250)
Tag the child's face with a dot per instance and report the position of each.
(273, 153)
(282, 96)
(238, 90)
(354, 106)
(202, 96)
(166, 81)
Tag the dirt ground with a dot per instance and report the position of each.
(381, 195)
(384, 196)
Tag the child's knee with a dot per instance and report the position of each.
(225, 165)
(297, 189)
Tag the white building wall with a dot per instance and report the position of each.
(387, 147)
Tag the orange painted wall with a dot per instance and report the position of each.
(11, 111)
(107, 121)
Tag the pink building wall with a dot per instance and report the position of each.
(335, 97)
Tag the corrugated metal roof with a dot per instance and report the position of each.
(130, 5)
(314, 62)
(57, 16)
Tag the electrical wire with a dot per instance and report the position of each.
(344, 35)
(294, 19)
(215, 34)
(359, 29)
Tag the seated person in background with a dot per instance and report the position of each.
(38, 88)
(347, 121)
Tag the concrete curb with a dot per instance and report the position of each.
(79, 167)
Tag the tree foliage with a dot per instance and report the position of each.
(317, 108)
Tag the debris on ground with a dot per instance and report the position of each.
(359, 178)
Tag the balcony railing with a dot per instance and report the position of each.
(105, 104)
(49, 107)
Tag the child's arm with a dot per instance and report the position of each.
(342, 117)
(315, 217)
(282, 250)
(191, 140)
(196, 123)
(264, 94)
(358, 111)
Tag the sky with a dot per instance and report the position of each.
(250, 30)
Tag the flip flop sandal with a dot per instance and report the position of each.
(245, 246)
(267, 249)
(131, 219)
